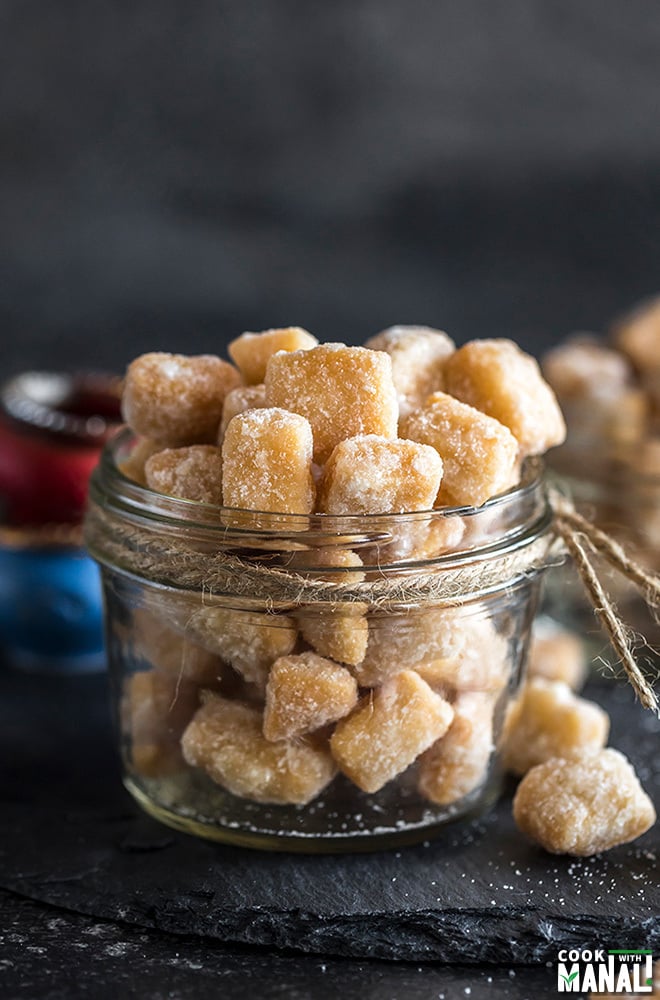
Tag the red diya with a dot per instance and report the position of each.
(52, 428)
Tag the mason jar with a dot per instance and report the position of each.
(313, 683)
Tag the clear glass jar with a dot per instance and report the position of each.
(201, 600)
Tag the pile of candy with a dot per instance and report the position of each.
(272, 710)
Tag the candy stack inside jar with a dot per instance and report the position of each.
(334, 718)
(609, 390)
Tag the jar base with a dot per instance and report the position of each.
(351, 842)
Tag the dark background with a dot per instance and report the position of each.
(172, 173)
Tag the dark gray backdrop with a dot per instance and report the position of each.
(172, 173)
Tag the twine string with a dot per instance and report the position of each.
(172, 560)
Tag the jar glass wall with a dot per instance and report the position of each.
(297, 682)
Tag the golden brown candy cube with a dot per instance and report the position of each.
(495, 376)
(557, 655)
(583, 805)
(225, 739)
(304, 693)
(175, 399)
(457, 764)
(550, 721)
(369, 474)
(155, 709)
(245, 397)
(479, 454)
(267, 456)
(418, 358)
(133, 467)
(388, 730)
(250, 643)
(341, 635)
(342, 391)
(638, 336)
(252, 351)
(191, 473)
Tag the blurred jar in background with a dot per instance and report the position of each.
(609, 391)
(52, 427)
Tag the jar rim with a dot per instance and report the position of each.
(130, 494)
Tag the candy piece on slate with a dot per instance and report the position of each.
(638, 336)
(341, 635)
(176, 399)
(191, 473)
(225, 738)
(369, 474)
(342, 391)
(548, 720)
(584, 804)
(252, 351)
(418, 357)
(304, 693)
(267, 456)
(557, 655)
(155, 709)
(249, 642)
(133, 466)
(495, 376)
(166, 650)
(458, 763)
(479, 454)
(388, 730)
(245, 397)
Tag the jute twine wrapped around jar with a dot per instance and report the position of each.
(137, 550)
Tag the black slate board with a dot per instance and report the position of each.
(53, 955)
(71, 837)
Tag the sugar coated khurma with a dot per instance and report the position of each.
(286, 672)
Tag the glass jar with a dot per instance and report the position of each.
(398, 641)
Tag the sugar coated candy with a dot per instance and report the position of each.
(369, 474)
(251, 352)
(191, 473)
(584, 804)
(267, 456)
(173, 653)
(557, 655)
(225, 739)
(342, 391)
(418, 357)
(479, 454)
(388, 730)
(341, 634)
(458, 763)
(175, 399)
(250, 643)
(304, 693)
(550, 721)
(245, 397)
(155, 709)
(586, 368)
(638, 336)
(495, 376)
(133, 466)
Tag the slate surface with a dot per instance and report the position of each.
(71, 837)
(53, 955)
